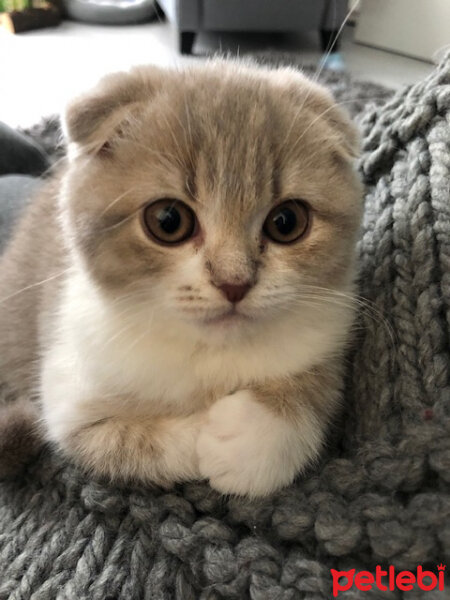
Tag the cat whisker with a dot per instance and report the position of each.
(138, 339)
(353, 297)
(125, 219)
(115, 201)
(34, 285)
(320, 306)
(311, 124)
(320, 69)
(332, 42)
(319, 117)
(366, 309)
(133, 303)
(327, 293)
(54, 167)
(121, 331)
(128, 315)
(190, 299)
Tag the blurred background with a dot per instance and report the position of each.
(50, 51)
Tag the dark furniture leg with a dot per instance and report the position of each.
(159, 13)
(186, 41)
(329, 40)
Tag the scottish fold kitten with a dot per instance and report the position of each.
(173, 304)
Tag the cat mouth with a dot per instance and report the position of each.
(229, 317)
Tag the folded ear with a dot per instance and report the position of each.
(316, 98)
(91, 117)
(345, 132)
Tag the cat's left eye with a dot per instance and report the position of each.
(287, 222)
(169, 221)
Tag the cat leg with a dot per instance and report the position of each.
(257, 440)
(128, 447)
(112, 435)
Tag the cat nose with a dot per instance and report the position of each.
(234, 293)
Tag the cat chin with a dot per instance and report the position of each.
(229, 319)
(225, 328)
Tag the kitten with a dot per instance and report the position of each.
(175, 302)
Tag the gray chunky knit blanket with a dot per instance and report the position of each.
(382, 492)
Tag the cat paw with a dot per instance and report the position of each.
(245, 449)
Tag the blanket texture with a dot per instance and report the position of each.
(380, 495)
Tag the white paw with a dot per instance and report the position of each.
(245, 449)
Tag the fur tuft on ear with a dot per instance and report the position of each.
(90, 117)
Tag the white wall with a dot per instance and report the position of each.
(417, 28)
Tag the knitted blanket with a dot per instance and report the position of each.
(381, 495)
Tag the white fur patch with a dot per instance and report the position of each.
(163, 362)
(245, 449)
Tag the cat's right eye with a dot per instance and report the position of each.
(169, 221)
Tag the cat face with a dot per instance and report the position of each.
(221, 197)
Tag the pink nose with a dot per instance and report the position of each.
(234, 293)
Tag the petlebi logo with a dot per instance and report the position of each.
(389, 579)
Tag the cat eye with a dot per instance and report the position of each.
(287, 222)
(169, 221)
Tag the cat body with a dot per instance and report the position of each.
(156, 357)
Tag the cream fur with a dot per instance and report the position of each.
(140, 375)
(99, 368)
